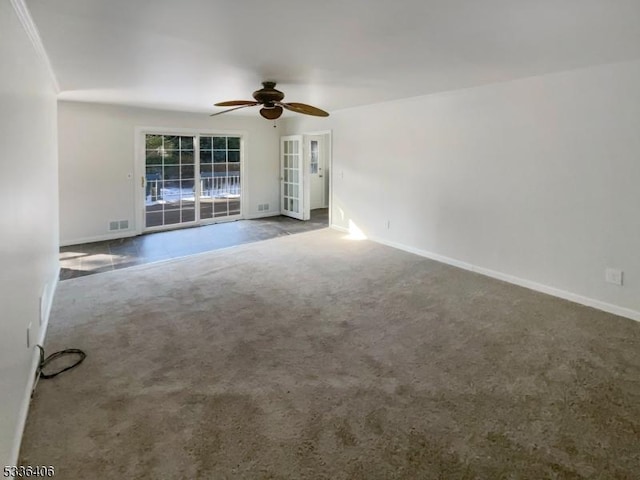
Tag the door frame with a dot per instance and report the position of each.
(329, 164)
(323, 167)
(138, 184)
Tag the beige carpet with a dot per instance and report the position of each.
(314, 356)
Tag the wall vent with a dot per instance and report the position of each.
(115, 225)
(263, 207)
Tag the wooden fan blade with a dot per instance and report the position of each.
(304, 108)
(271, 113)
(235, 103)
(232, 109)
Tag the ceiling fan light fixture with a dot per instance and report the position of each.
(271, 113)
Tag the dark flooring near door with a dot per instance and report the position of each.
(88, 258)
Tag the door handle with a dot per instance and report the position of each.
(142, 181)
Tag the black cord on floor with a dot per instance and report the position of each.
(45, 361)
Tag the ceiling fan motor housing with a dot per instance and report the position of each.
(268, 95)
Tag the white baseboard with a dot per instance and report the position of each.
(538, 287)
(261, 215)
(35, 360)
(98, 238)
(556, 292)
(339, 228)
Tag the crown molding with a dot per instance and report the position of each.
(32, 32)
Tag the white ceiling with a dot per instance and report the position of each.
(334, 54)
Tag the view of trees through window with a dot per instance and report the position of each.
(179, 185)
(219, 176)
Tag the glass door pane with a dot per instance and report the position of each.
(220, 186)
(291, 176)
(170, 180)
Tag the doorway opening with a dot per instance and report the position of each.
(317, 161)
(305, 176)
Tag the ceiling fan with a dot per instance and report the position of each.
(272, 104)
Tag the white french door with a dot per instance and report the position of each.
(292, 178)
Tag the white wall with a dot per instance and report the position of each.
(97, 153)
(536, 179)
(28, 218)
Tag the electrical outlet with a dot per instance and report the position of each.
(613, 276)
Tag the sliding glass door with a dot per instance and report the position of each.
(170, 174)
(191, 179)
(219, 176)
